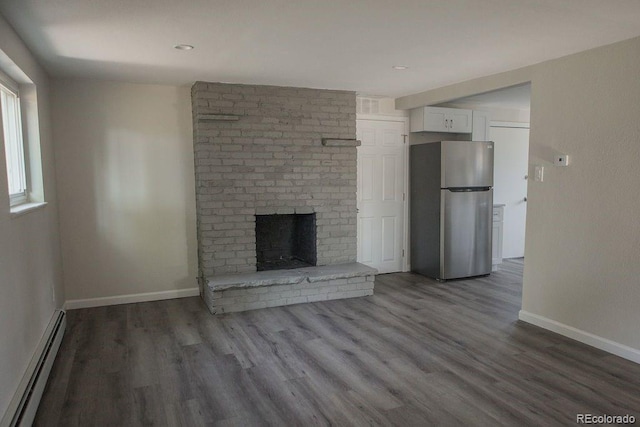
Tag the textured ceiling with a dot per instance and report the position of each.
(323, 44)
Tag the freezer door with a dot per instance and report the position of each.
(465, 238)
(467, 164)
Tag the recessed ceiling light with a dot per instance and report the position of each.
(400, 67)
(183, 47)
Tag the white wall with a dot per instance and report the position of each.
(583, 234)
(126, 188)
(30, 273)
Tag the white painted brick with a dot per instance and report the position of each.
(296, 300)
(280, 288)
(317, 297)
(318, 290)
(365, 285)
(279, 133)
(227, 301)
(258, 290)
(229, 293)
(256, 305)
(269, 296)
(349, 294)
(291, 293)
(276, 302)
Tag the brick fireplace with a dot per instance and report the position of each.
(267, 150)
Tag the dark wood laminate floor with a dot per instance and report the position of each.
(416, 353)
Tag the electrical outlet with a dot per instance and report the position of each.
(561, 160)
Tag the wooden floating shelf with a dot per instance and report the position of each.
(218, 117)
(332, 142)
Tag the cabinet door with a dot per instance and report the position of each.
(460, 121)
(481, 126)
(440, 119)
(436, 119)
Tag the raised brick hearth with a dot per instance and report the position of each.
(249, 291)
(263, 150)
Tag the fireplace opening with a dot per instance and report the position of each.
(285, 241)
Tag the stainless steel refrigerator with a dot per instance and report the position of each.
(451, 200)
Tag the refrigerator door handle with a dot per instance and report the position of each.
(468, 189)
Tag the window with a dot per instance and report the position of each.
(13, 143)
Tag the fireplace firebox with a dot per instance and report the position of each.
(285, 241)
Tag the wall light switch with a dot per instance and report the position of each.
(561, 160)
(538, 175)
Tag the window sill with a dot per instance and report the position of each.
(25, 208)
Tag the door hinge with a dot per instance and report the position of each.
(403, 253)
(404, 138)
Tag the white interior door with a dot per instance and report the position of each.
(381, 188)
(511, 158)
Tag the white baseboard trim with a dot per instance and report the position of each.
(24, 405)
(588, 338)
(131, 298)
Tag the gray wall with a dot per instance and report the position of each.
(269, 161)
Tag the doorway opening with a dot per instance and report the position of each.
(503, 116)
(382, 182)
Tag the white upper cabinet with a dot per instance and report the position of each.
(439, 119)
(481, 126)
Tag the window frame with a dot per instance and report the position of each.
(17, 159)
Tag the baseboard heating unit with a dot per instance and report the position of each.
(23, 407)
